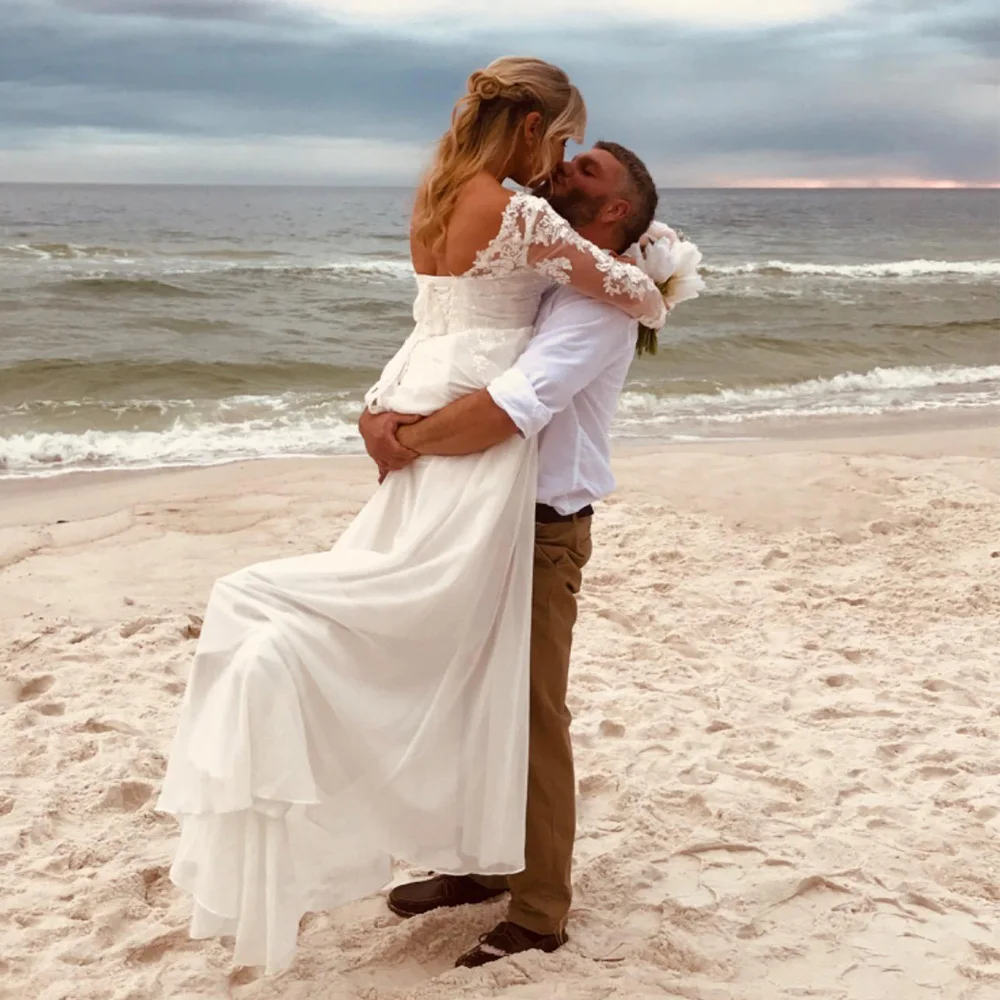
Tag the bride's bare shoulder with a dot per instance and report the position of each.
(480, 206)
(474, 223)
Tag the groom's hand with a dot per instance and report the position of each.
(379, 433)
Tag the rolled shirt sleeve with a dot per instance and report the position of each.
(572, 345)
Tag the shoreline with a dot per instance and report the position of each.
(854, 434)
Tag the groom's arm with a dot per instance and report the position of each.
(469, 425)
(571, 347)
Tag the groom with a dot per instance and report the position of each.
(565, 389)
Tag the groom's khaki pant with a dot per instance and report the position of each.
(541, 894)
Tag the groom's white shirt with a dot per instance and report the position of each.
(565, 388)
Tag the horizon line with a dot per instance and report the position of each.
(776, 185)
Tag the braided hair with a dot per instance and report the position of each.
(483, 125)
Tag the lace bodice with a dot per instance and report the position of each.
(471, 327)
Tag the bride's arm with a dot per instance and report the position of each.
(552, 247)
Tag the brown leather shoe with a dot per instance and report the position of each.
(414, 898)
(509, 939)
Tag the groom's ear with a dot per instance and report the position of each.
(615, 210)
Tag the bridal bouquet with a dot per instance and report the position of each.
(671, 260)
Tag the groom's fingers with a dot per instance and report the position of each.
(380, 439)
(397, 456)
(400, 453)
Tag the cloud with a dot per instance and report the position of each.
(186, 10)
(556, 13)
(90, 89)
(89, 155)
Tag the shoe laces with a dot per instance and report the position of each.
(501, 935)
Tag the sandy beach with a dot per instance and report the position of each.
(786, 692)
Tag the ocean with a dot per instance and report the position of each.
(146, 327)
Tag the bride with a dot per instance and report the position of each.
(371, 702)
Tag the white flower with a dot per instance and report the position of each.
(685, 282)
(659, 261)
(635, 252)
(659, 231)
(687, 257)
(671, 261)
(680, 288)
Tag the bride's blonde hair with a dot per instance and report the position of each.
(483, 125)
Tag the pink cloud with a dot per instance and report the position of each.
(851, 182)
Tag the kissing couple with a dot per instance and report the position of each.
(403, 695)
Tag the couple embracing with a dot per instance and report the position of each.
(403, 695)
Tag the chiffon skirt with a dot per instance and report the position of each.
(359, 705)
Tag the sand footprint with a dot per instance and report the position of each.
(127, 796)
(618, 617)
(130, 628)
(243, 975)
(840, 680)
(157, 886)
(684, 648)
(612, 729)
(110, 726)
(953, 693)
(153, 951)
(930, 772)
(35, 688)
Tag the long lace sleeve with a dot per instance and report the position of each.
(533, 235)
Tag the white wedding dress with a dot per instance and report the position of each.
(371, 702)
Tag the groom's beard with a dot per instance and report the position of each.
(575, 207)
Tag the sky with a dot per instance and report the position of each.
(708, 92)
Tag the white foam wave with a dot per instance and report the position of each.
(103, 262)
(180, 432)
(67, 252)
(278, 428)
(387, 268)
(353, 270)
(877, 379)
(357, 268)
(880, 390)
(893, 269)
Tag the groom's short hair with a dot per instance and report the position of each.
(640, 192)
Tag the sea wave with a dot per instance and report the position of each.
(103, 382)
(128, 277)
(877, 379)
(95, 434)
(237, 428)
(116, 284)
(383, 266)
(106, 263)
(400, 268)
(228, 254)
(127, 255)
(67, 251)
(892, 269)
(355, 269)
(880, 390)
